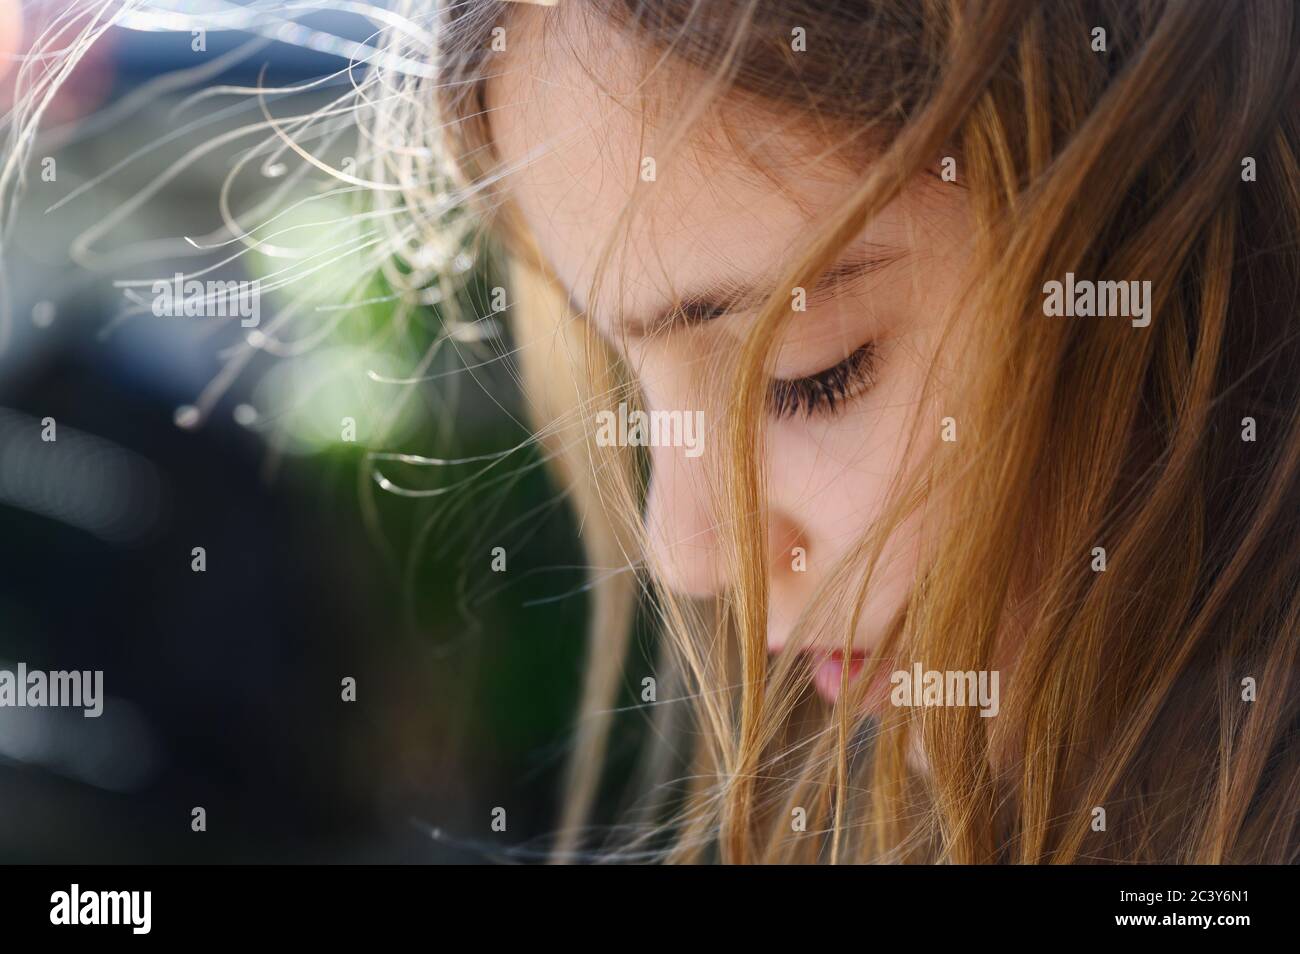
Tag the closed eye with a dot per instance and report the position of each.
(827, 391)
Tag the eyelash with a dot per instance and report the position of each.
(827, 391)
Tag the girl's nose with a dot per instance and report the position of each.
(682, 529)
(685, 551)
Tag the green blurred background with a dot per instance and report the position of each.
(224, 687)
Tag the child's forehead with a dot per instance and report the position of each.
(566, 69)
(577, 145)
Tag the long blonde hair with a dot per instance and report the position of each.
(1127, 693)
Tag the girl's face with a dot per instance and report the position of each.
(713, 224)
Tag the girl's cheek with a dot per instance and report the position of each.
(832, 476)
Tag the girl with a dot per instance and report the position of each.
(986, 549)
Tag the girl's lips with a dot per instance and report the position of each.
(829, 668)
(830, 671)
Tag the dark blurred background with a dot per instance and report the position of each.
(224, 686)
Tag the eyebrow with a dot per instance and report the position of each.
(721, 298)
